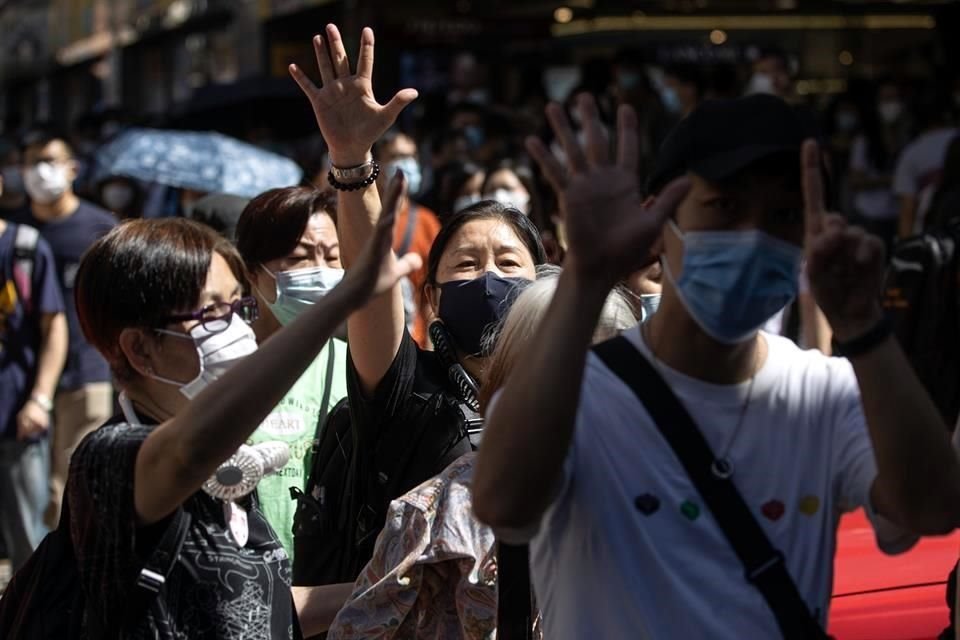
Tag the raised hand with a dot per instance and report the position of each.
(376, 271)
(348, 114)
(609, 231)
(844, 263)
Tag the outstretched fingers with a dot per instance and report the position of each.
(551, 168)
(365, 59)
(320, 50)
(305, 83)
(597, 140)
(338, 54)
(628, 142)
(568, 141)
(666, 202)
(813, 208)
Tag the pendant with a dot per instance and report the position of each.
(236, 517)
(722, 468)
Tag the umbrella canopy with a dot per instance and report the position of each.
(201, 161)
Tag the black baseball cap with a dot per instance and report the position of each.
(721, 137)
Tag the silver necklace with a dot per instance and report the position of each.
(721, 467)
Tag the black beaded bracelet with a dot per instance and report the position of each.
(866, 342)
(354, 186)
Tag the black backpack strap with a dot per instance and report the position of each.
(155, 572)
(25, 243)
(764, 565)
(514, 593)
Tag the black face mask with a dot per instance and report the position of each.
(469, 307)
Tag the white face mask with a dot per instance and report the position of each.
(217, 352)
(300, 289)
(760, 83)
(45, 182)
(517, 199)
(890, 112)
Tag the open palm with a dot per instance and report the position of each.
(347, 112)
(609, 231)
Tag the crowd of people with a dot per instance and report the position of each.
(455, 385)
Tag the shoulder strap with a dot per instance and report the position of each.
(514, 606)
(155, 572)
(24, 256)
(763, 564)
(412, 213)
(327, 388)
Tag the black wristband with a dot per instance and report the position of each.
(354, 186)
(866, 342)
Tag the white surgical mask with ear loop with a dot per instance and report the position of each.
(217, 352)
(300, 289)
(240, 473)
(517, 199)
(45, 182)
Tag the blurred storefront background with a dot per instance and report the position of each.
(221, 64)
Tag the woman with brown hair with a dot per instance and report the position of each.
(164, 302)
(288, 240)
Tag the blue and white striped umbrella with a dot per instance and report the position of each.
(202, 161)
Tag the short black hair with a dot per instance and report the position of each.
(141, 272)
(687, 74)
(272, 224)
(41, 135)
(773, 51)
(389, 138)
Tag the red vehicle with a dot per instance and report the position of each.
(880, 597)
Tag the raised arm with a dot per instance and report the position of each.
(176, 458)
(351, 120)
(918, 481)
(529, 430)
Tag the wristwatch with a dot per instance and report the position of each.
(353, 174)
(43, 401)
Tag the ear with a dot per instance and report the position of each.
(138, 349)
(432, 294)
(264, 287)
(72, 169)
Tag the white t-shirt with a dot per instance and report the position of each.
(919, 167)
(605, 568)
(875, 204)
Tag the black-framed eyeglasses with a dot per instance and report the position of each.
(216, 317)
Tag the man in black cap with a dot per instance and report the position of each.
(686, 479)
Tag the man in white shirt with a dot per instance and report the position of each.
(622, 543)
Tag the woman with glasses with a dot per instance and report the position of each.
(164, 302)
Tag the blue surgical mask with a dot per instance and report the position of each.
(475, 136)
(411, 170)
(300, 289)
(671, 101)
(732, 282)
(649, 303)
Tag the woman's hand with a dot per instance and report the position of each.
(377, 271)
(348, 114)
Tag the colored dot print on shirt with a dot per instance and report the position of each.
(690, 510)
(647, 504)
(809, 505)
(773, 510)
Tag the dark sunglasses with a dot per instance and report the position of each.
(216, 317)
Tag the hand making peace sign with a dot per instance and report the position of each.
(348, 114)
(845, 264)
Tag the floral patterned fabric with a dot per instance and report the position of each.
(433, 573)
